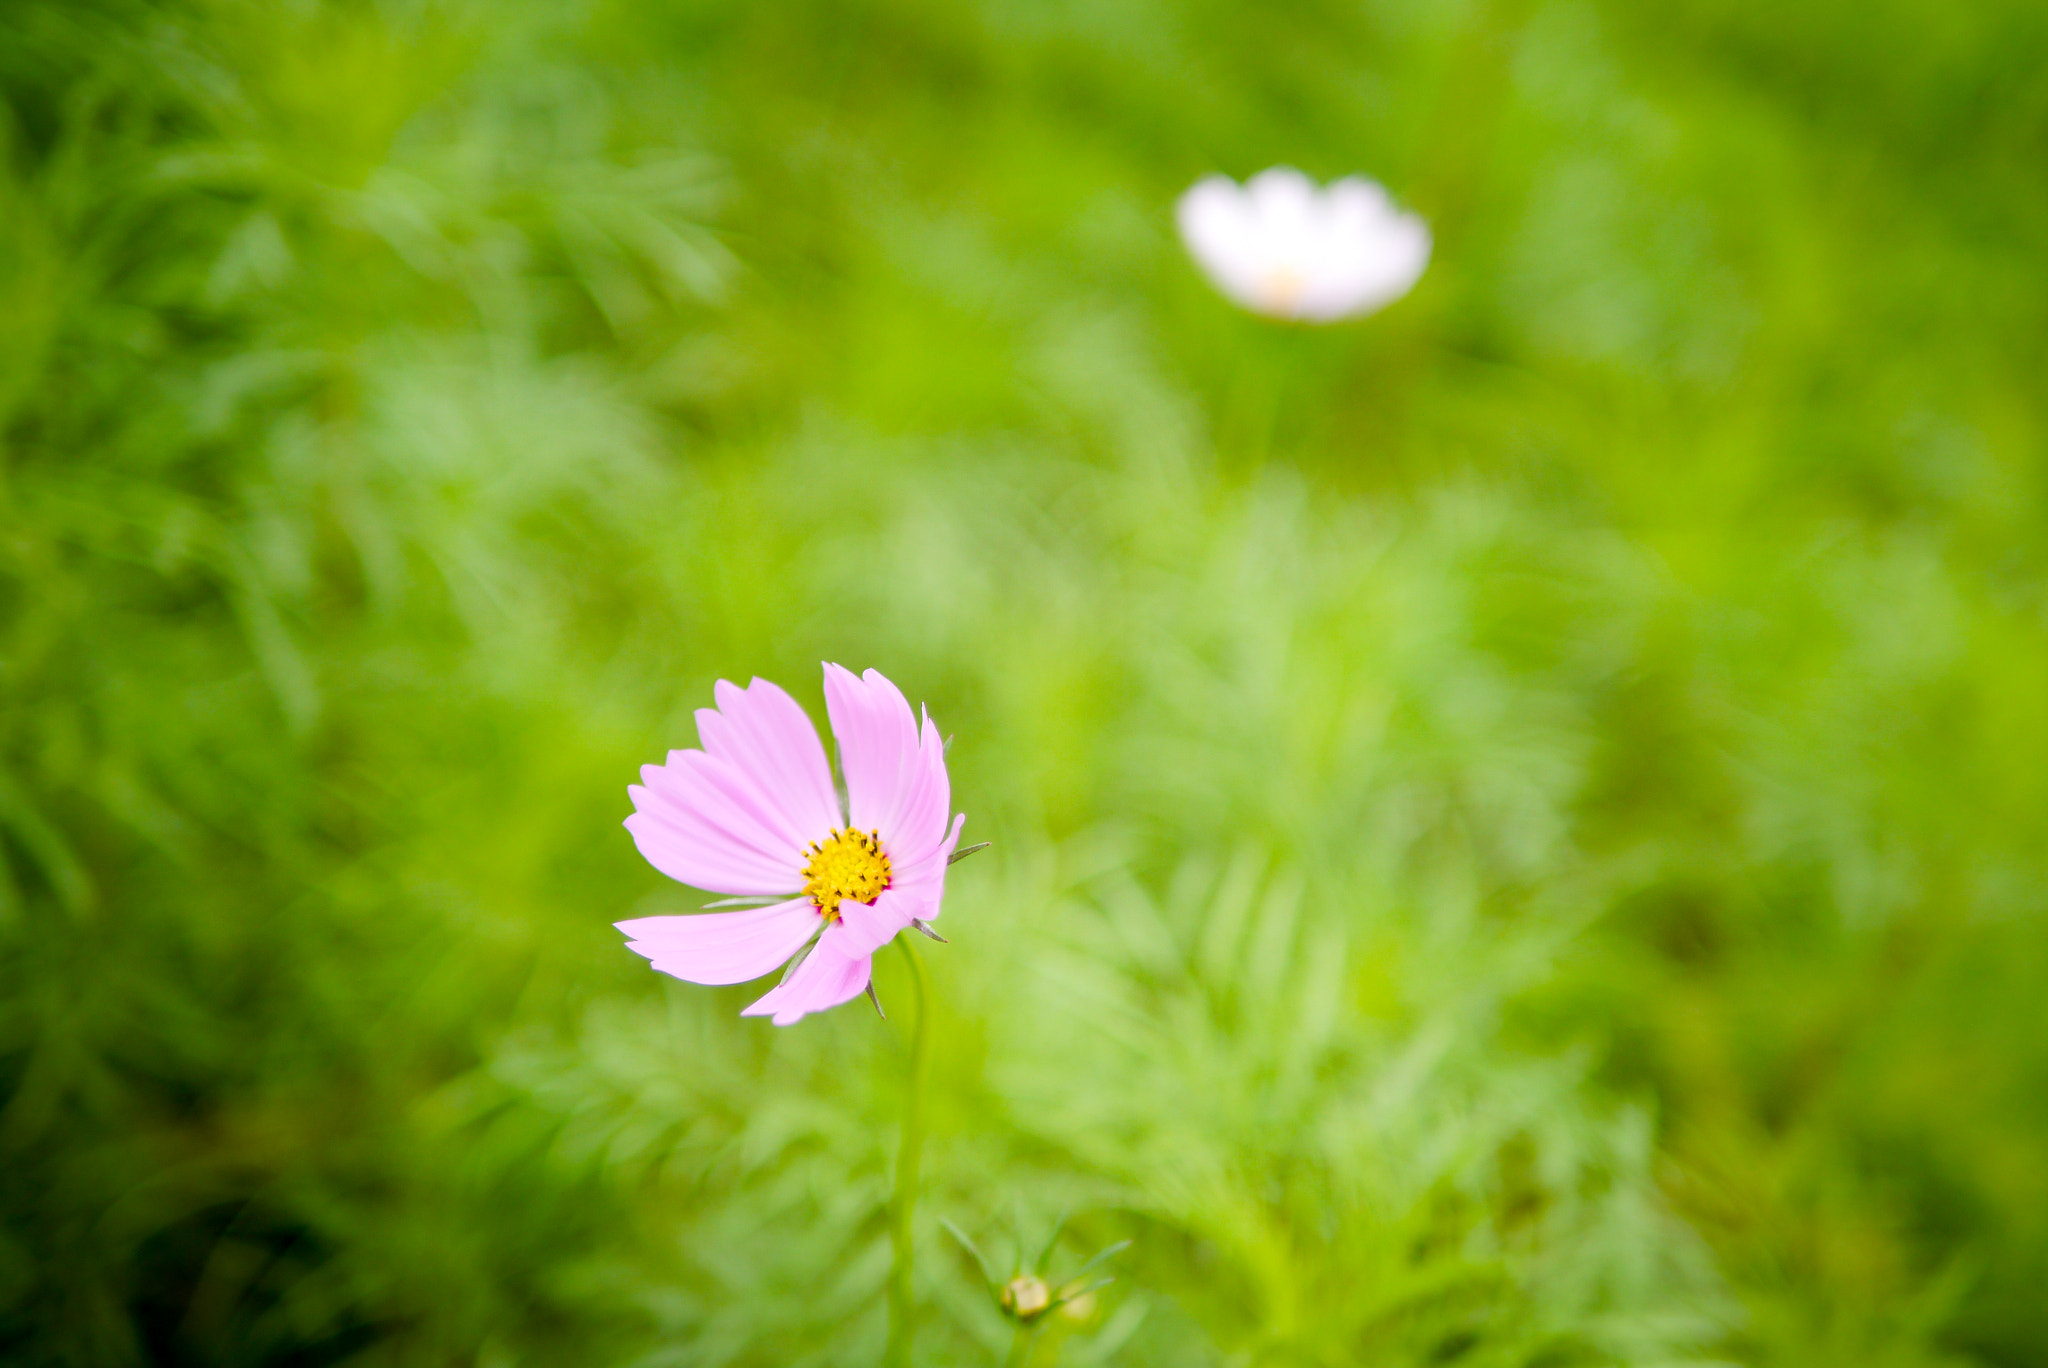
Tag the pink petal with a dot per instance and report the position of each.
(877, 742)
(703, 822)
(763, 733)
(867, 928)
(831, 975)
(895, 773)
(921, 821)
(915, 889)
(723, 947)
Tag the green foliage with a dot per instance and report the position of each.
(1516, 819)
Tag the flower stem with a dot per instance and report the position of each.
(902, 1300)
(1020, 1347)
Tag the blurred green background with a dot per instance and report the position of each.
(1521, 822)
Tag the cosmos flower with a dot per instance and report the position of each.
(1280, 246)
(754, 815)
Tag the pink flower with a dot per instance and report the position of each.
(754, 815)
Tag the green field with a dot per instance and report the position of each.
(1521, 821)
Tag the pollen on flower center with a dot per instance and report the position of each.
(846, 864)
(1281, 288)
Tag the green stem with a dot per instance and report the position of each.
(902, 1300)
(1020, 1347)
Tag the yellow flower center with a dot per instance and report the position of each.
(1281, 289)
(846, 864)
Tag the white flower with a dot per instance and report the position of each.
(1280, 246)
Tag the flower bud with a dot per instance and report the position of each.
(1078, 1309)
(1025, 1296)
